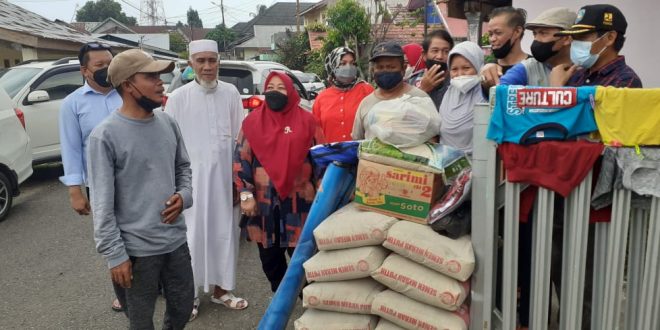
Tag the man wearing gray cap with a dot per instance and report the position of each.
(140, 182)
(547, 49)
(392, 93)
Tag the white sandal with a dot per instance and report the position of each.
(195, 310)
(230, 301)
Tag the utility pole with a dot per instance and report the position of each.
(298, 16)
(222, 10)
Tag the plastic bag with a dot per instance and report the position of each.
(407, 121)
(343, 152)
(458, 193)
(457, 223)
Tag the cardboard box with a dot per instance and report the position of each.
(398, 192)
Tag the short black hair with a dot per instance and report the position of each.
(83, 53)
(441, 34)
(618, 42)
(517, 17)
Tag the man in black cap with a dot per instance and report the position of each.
(598, 36)
(388, 69)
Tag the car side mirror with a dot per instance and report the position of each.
(38, 96)
(312, 95)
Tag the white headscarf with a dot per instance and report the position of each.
(457, 107)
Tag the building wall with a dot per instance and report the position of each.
(641, 47)
(160, 40)
(263, 35)
(9, 56)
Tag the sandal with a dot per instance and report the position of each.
(195, 310)
(230, 301)
(116, 306)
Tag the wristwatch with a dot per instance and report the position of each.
(246, 195)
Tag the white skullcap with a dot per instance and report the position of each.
(203, 45)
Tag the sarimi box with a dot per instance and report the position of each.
(398, 192)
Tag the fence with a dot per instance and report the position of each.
(626, 251)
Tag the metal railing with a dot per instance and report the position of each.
(626, 252)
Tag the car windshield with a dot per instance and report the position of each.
(167, 77)
(305, 77)
(242, 79)
(15, 78)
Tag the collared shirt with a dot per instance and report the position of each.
(335, 110)
(80, 113)
(615, 73)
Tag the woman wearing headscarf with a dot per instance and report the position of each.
(274, 175)
(415, 62)
(335, 107)
(457, 107)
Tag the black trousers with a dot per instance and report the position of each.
(273, 259)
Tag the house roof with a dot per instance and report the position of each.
(117, 25)
(281, 13)
(320, 4)
(18, 19)
(84, 26)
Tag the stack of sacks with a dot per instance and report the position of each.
(427, 279)
(341, 290)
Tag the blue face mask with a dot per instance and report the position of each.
(388, 79)
(581, 53)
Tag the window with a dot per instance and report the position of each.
(242, 79)
(61, 84)
(14, 79)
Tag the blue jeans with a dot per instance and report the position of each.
(174, 271)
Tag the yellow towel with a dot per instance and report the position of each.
(628, 116)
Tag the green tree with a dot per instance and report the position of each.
(177, 42)
(316, 63)
(222, 35)
(97, 11)
(349, 25)
(193, 18)
(293, 50)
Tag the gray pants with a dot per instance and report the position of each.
(174, 271)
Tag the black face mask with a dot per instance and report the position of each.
(276, 101)
(101, 77)
(431, 63)
(503, 51)
(388, 79)
(146, 103)
(542, 51)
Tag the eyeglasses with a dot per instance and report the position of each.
(91, 47)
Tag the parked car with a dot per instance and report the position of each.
(249, 78)
(311, 81)
(38, 89)
(15, 152)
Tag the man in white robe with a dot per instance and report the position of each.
(209, 113)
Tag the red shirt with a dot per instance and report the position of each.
(335, 110)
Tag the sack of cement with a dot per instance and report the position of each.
(348, 264)
(421, 283)
(314, 319)
(354, 296)
(350, 227)
(384, 324)
(419, 243)
(412, 314)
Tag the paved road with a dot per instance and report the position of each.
(52, 278)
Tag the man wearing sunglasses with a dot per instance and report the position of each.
(80, 113)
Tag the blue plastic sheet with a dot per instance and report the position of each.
(336, 188)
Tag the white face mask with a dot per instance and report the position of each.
(465, 83)
(409, 72)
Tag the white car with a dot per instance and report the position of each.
(15, 153)
(311, 81)
(38, 89)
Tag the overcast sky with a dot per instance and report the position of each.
(175, 10)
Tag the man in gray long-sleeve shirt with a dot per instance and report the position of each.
(140, 180)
